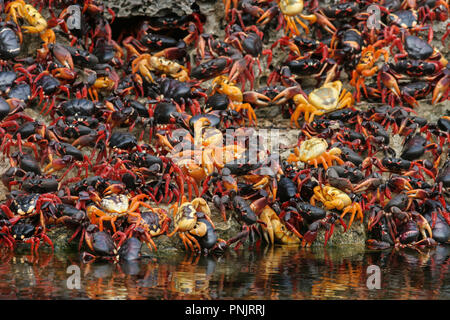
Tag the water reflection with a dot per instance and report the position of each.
(271, 273)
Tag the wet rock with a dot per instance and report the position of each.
(60, 236)
(226, 230)
(356, 235)
(168, 246)
(165, 246)
(150, 8)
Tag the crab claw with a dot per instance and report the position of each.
(88, 139)
(367, 184)
(284, 41)
(309, 237)
(64, 73)
(268, 15)
(417, 194)
(341, 183)
(164, 142)
(322, 20)
(256, 98)
(423, 225)
(114, 188)
(198, 126)
(373, 219)
(63, 55)
(400, 183)
(259, 205)
(377, 245)
(441, 89)
(274, 188)
(265, 217)
(410, 100)
(390, 82)
(88, 236)
(287, 94)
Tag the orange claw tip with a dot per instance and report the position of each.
(441, 90)
(256, 98)
(417, 194)
(287, 94)
(62, 54)
(114, 188)
(268, 15)
(64, 73)
(390, 82)
(275, 190)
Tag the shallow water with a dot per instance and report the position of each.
(269, 273)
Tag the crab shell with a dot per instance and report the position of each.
(200, 229)
(212, 137)
(115, 203)
(274, 230)
(326, 98)
(312, 148)
(228, 154)
(332, 193)
(186, 217)
(233, 92)
(164, 65)
(26, 204)
(291, 7)
(34, 17)
(191, 168)
(282, 234)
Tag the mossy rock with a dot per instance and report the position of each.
(356, 235)
(60, 236)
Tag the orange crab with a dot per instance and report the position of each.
(223, 85)
(333, 198)
(19, 9)
(314, 151)
(146, 63)
(113, 206)
(209, 154)
(328, 98)
(185, 221)
(366, 68)
(104, 83)
(274, 231)
(292, 13)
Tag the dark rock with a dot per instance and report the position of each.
(356, 235)
(60, 236)
(150, 8)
